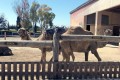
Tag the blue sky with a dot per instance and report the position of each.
(61, 8)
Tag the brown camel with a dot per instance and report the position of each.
(44, 36)
(81, 46)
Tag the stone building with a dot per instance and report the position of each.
(97, 16)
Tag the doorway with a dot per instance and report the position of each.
(116, 30)
(88, 27)
(115, 33)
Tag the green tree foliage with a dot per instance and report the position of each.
(31, 14)
(22, 10)
(43, 14)
(3, 22)
(49, 16)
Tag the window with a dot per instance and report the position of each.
(105, 20)
(91, 19)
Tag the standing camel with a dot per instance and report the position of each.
(46, 35)
(81, 46)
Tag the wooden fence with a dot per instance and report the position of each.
(58, 70)
(71, 70)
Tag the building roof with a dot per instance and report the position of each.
(83, 5)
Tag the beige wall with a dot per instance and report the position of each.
(78, 17)
(114, 19)
(101, 5)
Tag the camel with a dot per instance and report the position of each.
(81, 46)
(5, 51)
(24, 34)
(66, 46)
(46, 35)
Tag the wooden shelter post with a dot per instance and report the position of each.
(96, 23)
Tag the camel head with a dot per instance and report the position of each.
(24, 34)
(108, 32)
(48, 33)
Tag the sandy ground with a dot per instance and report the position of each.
(23, 54)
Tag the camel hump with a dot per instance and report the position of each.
(78, 30)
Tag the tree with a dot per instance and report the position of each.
(18, 22)
(30, 15)
(3, 22)
(49, 18)
(22, 10)
(33, 14)
(42, 12)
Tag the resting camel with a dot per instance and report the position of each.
(46, 35)
(5, 51)
(81, 46)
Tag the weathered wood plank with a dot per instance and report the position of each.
(43, 70)
(14, 71)
(55, 53)
(38, 66)
(24, 43)
(9, 70)
(49, 70)
(3, 71)
(90, 38)
(32, 71)
(26, 71)
(20, 71)
(55, 46)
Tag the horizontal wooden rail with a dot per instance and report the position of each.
(25, 43)
(101, 38)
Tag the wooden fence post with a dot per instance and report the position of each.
(4, 35)
(55, 46)
(55, 54)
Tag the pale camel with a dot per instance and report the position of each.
(46, 35)
(81, 46)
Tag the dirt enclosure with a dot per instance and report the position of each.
(23, 54)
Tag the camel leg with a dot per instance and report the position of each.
(43, 57)
(51, 59)
(96, 54)
(65, 55)
(86, 56)
(67, 58)
(72, 55)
